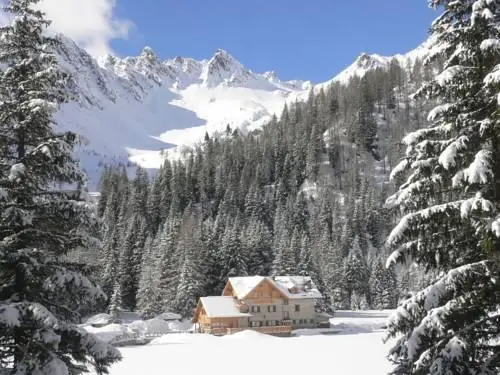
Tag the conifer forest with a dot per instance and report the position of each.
(383, 188)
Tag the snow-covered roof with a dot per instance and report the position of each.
(244, 285)
(221, 307)
(293, 287)
(297, 286)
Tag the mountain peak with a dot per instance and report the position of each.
(149, 53)
(366, 61)
(223, 60)
(223, 68)
(148, 59)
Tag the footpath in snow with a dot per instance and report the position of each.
(357, 349)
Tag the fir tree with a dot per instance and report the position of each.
(450, 201)
(382, 286)
(148, 293)
(234, 257)
(191, 272)
(169, 262)
(40, 222)
(355, 274)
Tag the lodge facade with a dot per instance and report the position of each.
(274, 305)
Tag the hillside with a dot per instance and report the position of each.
(132, 108)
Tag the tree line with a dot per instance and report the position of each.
(302, 196)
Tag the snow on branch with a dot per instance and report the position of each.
(439, 111)
(410, 220)
(490, 45)
(448, 157)
(398, 169)
(62, 278)
(425, 134)
(479, 171)
(449, 74)
(427, 308)
(478, 203)
(11, 315)
(97, 348)
(493, 78)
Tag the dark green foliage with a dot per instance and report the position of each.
(451, 202)
(41, 292)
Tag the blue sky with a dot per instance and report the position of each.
(312, 39)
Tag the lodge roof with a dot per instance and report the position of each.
(293, 287)
(222, 307)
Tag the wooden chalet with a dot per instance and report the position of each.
(268, 305)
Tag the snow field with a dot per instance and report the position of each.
(358, 350)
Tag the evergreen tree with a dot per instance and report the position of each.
(40, 222)
(169, 257)
(115, 303)
(355, 274)
(450, 203)
(382, 286)
(130, 260)
(191, 272)
(148, 293)
(233, 256)
(257, 242)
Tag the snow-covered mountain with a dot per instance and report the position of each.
(366, 62)
(134, 108)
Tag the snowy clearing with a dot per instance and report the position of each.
(357, 349)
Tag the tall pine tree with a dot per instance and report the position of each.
(450, 202)
(39, 221)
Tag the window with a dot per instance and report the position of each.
(261, 324)
(274, 308)
(255, 309)
(277, 322)
(297, 307)
(312, 321)
(294, 322)
(268, 308)
(254, 324)
(285, 302)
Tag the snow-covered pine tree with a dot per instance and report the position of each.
(130, 260)
(356, 274)
(169, 262)
(234, 257)
(191, 272)
(111, 237)
(382, 286)
(257, 240)
(115, 303)
(39, 221)
(148, 292)
(451, 201)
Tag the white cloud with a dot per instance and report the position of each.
(90, 23)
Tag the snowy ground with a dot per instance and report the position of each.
(356, 350)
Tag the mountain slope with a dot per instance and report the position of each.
(136, 106)
(131, 109)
